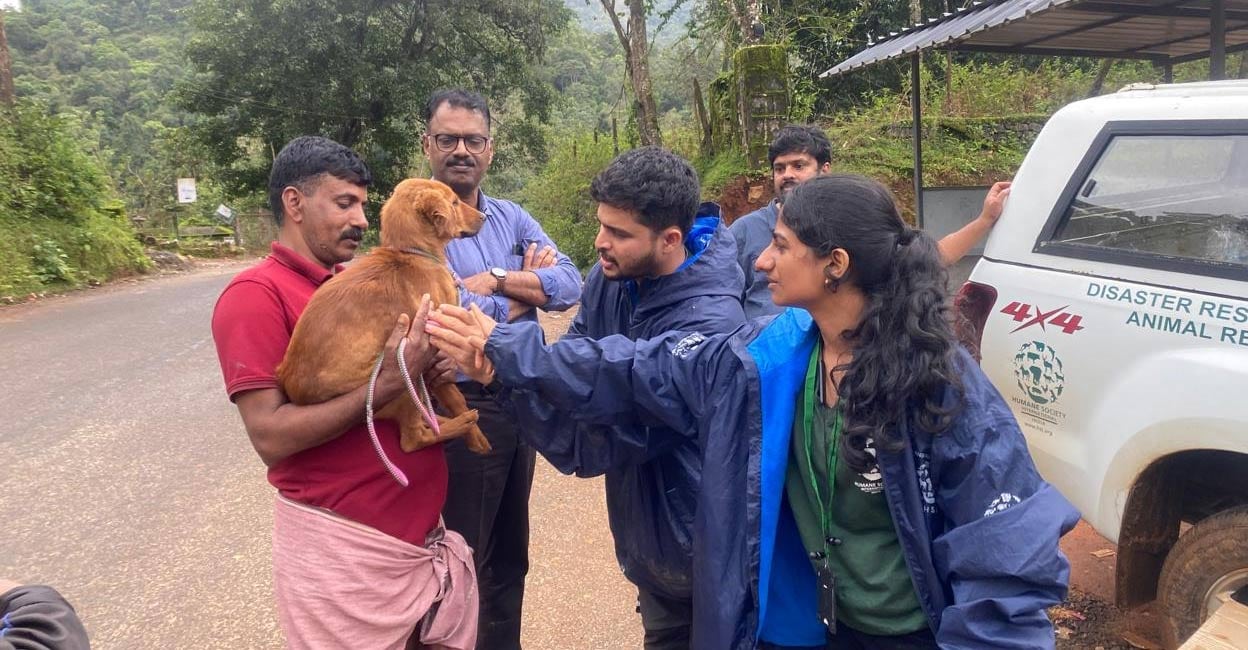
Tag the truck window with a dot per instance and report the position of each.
(1165, 196)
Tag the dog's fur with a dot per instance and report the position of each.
(347, 322)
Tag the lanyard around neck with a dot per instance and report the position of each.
(812, 398)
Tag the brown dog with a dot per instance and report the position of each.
(345, 325)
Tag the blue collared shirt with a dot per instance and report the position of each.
(507, 232)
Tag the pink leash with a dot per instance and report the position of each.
(421, 399)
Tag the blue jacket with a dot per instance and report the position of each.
(978, 527)
(651, 476)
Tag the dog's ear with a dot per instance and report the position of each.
(403, 216)
(444, 215)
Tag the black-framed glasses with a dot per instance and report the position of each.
(473, 143)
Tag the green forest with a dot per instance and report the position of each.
(116, 99)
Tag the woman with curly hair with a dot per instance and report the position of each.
(864, 485)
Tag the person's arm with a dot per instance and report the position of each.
(585, 450)
(557, 286)
(498, 308)
(956, 245)
(570, 446)
(278, 428)
(671, 381)
(999, 553)
(36, 617)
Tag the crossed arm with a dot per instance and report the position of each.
(523, 288)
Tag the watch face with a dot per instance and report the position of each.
(498, 273)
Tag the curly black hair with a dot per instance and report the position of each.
(801, 138)
(903, 349)
(655, 182)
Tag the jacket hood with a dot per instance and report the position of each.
(710, 270)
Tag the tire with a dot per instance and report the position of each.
(1213, 553)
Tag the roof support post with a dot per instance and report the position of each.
(916, 114)
(1217, 39)
(1167, 72)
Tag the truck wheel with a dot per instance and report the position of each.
(1208, 564)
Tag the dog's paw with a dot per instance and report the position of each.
(476, 440)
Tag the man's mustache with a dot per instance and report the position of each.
(353, 232)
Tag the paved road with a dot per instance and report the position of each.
(127, 482)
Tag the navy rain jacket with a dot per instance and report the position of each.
(978, 527)
(652, 476)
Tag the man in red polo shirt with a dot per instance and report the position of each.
(352, 549)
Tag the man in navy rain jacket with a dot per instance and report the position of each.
(977, 524)
(665, 264)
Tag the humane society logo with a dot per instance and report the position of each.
(1001, 503)
(1038, 371)
(687, 345)
(872, 480)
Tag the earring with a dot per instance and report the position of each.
(829, 281)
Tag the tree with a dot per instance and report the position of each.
(637, 60)
(746, 15)
(107, 68)
(6, 68)
(818, 34)
(358, 72)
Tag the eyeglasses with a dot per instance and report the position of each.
(473, 143)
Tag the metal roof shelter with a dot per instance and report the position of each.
(1162, 31)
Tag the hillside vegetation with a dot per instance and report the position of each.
(119, 98)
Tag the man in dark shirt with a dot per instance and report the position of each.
(509, 269)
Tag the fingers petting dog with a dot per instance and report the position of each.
(461, 335)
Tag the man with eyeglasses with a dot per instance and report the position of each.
(509, 269)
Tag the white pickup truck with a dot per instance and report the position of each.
(1110, 308)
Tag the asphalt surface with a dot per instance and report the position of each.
(127, 482)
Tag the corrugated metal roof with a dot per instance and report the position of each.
(1171, 30)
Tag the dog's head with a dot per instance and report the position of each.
(426, 214)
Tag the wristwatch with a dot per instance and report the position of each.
(500, 275)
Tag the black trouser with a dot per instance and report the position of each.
(667, 621)
(847, 638)
(487, 502)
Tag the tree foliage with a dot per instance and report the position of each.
(819, 34)
(107, 68)
(56, 203)
(560, 194)
(358, 72)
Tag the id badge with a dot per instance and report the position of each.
(827, 595)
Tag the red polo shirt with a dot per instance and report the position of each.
(251, 325)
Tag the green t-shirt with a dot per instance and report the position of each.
(874, 593)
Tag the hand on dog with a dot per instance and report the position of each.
(482, 284)
(462, 334)
(442, 371)
(418, 354)
(538, 260)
